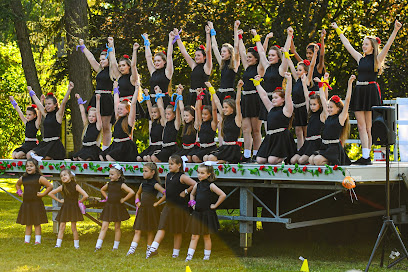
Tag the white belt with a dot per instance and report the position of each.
(299, 105)
(30, 139)
(330, 141)
(129, 97)
(273, 131)
(168, 144)
(230, 143)
(103, 92)
(362, 83)
(249, 92)
(89, 143)
(193, 90)
(312, 138)
(226, 90)
(50, 139)
(116, 140)
(190, 146)
(157, 143)
(208, 145)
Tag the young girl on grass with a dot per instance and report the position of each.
(32, 210)
(336, 128)
(92, 130)
(148, 215)
(114, 210)
(70, 210)
(204, 219)
(32, 122)
(175, 214)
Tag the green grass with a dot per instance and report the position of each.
(270, 251)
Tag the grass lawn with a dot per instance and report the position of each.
(269, 253)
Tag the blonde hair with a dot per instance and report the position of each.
(125, 124)
(231, 50)
(378, 66)
(104, 53)
(99, 138)
(346, 128)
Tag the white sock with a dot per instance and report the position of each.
(132, 248)
(207, 254)
(38, 239)
(99, 243)
(104, 147)
(254, 152)
(148, 248)
(366, 153)
(154, 246)
(176, 252)
(133, 244)
(27, 238)
(116, 244)
(59, 242)
(247, 153)
(76, 243)
(190, 252)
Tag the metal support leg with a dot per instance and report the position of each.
(246, 228)
(55, 204)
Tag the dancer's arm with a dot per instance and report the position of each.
(320, 66)
(323, 98)
(60, 113)
(344, 113)
(132, 113)
(98, 112)
(48, 187)
(135, 74)
(214, 45)
(291, 65)
(305, 91)
(262, 93)
(169, 66)
(160, 105)
(242, 50)
(236, 46)
(283, 68)
(36, 101)
(129, 192)
(82, 192)
(262, 53)
(266, 41)
(18, 110)
(214, 122)
(288, 108)
(159, 188)
(312, 65)
(56, 191)
(82, 110)
(238, 116)
(293, 51)
(221, 196)
(185, 54)
(384, 51)
(208, 62)
(94, 63)
(356, 55)
(113, 63)
(149, 56)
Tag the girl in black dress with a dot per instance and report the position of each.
(173, 121)
(230, 151)
(148, 215)
(275, 66)
(315, 124)
(207, 121)
(70, 211)
(201, 67)
(174, 215)
(336, 128)
(104, 86)
(204, 219)
(51, 148)
(32, 122)
(160, 68)
(367, 91)
(250, 103)
(123, 147)
(278, 144)
(91, 141)
(298, 97)
(114, 210)
(32, 210)
(156, 126)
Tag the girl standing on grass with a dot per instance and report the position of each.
(114, 210)
(204, 219)
(32, 210)
(70, 210)
(148, 215)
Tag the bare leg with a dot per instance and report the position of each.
(154, 159)
(104, 229)
(212, 158)
(368, 120)
(261, 160)
(118, 233)
(106, 130)
(196, 159)
(74, 231)
(256, 132)
(320, 160)
(150, 237)
(178, 237)
(311, 159)
(37, 230)
(29, 230)
(194, 241)
(109, 158)
(274, 160)
(362, 128)
(136, 237)
(207, 242)
(299, 136)
(295, 159)
(304, 159)
(247, 131)
(61, 230)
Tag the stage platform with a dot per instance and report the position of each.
(274, 188)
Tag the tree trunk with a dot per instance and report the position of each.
(79, 70)
(23, 40)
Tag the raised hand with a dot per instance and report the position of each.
(288, 76)
(146, 35)
(172, 35)
(270, 35)
(81, 42)
(98, 97)
(253, 32)
(316, 48)
(207, 29)
(110, 41)
(304, 78)
(351, 79)
(397, 25)
(77, 96)
(240, 32)
(323, 33)
(236, 24)
(290, 31)
(210, 24)
(115, 84)
(208, 84)
(334, 25)
(257, 77)
(70, 86)
(146, 92)
(240, 83)
(316, 79)
(326, 76)
(157, 89)
(136, 46)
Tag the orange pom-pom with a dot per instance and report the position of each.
(348, 183)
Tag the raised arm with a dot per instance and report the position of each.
(177, 122)
(312, 65)
(135, 75)
(148, 54)
(305, 91)
(356, 55)
(60, 113)
(291, 65)
(94, 63)
(344, 113)
(323, 99)
(238, 116)
(98, 112)
(198, 120)
(214, 44)
(320, 66)
(149, 103)
(384, 51)
(169, 65)
(262, 93)
(37, 101)
(236, 45)
(214, 122)
(18, 110)
(160, 105)
(132, 113)
(113, 63)
(82, 109)
(266, 41)
(215, 98)
(242, 50)
(262, 53)
(185, 54)
(116, 98)
(208, 63)
(293, 51)
(288, 108)
(283, 68)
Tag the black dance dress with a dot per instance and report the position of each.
(32, 210)
(227, 82)
(188, 141)
(333, 151)
(278, 141)
(123, 148)
(159, 78)
(198, 77)
(203, 220)
(250, 102)
(104, 87)
(175, 213)
(70, 211)
(90, 149)
(272, 80)
(299, 105)
(316, 73)
(206, 141)
(126, 91)
(313, 139)
(230, 150)
(51, 145)
(367, 92)
(114, 211)
(156, 137)
(147, 218)
(169, 146)
(30, 141)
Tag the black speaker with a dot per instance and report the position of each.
(382, 130)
